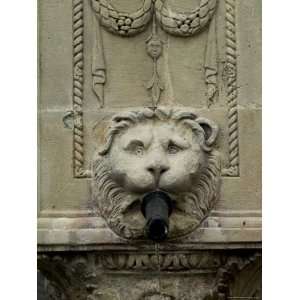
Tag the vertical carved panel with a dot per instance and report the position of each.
(230, 74)
(204, 275)
(178, 24)
(78, 86)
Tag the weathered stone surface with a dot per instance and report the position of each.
(103, 59)
(191, 276)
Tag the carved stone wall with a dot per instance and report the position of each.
(127, 275)
(144, 95)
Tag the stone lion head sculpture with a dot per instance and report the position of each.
(165, 149)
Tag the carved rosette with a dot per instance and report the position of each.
(123, 23)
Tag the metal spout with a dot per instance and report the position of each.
(156, 208)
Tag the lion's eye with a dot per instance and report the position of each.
(135, 147)
(173, 149)
(139, 150)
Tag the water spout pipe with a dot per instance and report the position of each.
(156, 208)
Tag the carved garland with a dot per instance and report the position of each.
(184, 24)
(82, 264)
(128, 24)
(166, 19)
(123, 23)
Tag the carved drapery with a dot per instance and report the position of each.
(178, 24)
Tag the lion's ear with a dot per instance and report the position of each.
(211, 130)
(99, 131)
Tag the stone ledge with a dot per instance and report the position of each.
(221, 231)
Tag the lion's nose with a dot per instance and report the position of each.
(157, 165)
(157, 168)
(157, 171)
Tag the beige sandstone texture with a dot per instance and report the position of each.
(137, 96)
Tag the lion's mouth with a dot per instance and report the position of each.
(184, 215)
(132, 212)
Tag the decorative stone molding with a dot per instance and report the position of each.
(246, 283)
(230, 75)
(228, 273)
(164, 149)
(78, 85)
(167, 261)
(82, 275)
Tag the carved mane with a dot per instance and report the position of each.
(112, 200)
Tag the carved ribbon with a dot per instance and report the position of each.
(211, 65)
(98, 66)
